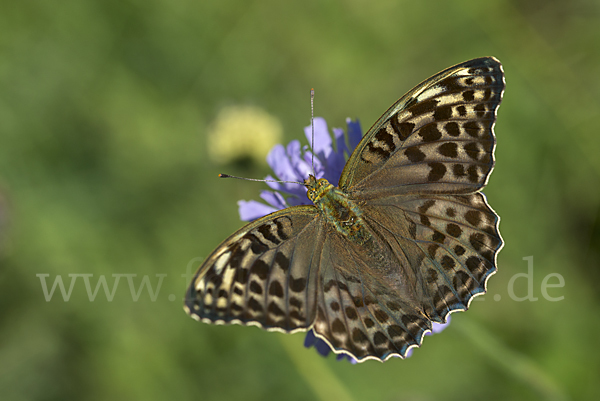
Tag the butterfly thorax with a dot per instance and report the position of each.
(337, 209)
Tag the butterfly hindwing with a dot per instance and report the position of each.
(364, 306)
(451, 242)
(438, 138)
(433, 255)
(263, 274)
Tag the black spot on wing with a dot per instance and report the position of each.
(241, 276)
(438, 237)
(469, 95)
(458, 170)
(473, 174)
(426, 206)
(382, 153)
(472, 150)
(257, 245)
(386, 138)
(404, 130)
(276, 289)
(282, 262)
(480, 110)
(265, 231)
(452, 129)
(423, 107)
(472, 128)
(454, 230)
(284, 226)
(448, 149)
(430, 133)
(414, 155)
(351, 313)
(261, 269)
(437, 172)
(297, 285)
(442, 113)
(447, 263)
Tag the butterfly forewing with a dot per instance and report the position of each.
(264, 274)
(438, 138)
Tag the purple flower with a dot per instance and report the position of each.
(295, 163)
(311, 340)
(435, 328)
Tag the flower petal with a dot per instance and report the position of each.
(284, 170)
(301, 168)
(341, 357)
(439, 327)
(296, 190)
(322, 146)
(274, 199)
(337, 159)
(340, 141)
(252, 210)
(435, 328)
(318, 166)
(280, 163)
(295, 163)
(354, 133)
(311, 340)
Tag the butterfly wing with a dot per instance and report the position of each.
(450, 241)
(438, 138)
(415, 175)
(427, 257)
(364, 307)
(265, 274)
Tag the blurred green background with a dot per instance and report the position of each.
(104, 170)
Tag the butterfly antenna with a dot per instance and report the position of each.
(312, 126)
(259, 180)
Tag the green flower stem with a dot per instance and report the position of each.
(514, 363)
(315, 371)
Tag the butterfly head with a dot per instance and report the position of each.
(316, 188)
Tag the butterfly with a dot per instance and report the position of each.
(405, 239)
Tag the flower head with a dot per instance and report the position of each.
(241, 132)
(295, 163)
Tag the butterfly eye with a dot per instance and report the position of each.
(311, 193)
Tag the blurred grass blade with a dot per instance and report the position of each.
(315, 371)
(514, 363)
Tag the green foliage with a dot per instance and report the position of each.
(104, 109)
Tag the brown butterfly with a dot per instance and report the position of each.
(404, 240)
